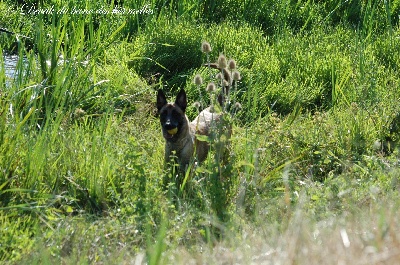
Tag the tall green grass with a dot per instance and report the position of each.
(81, 152)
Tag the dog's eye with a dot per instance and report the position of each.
(175, 114)
(163, 115)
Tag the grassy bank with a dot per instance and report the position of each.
(310, 178)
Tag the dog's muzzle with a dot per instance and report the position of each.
(169, 134)
(173, 131)
(170, 129)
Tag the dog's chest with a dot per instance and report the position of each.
(184, 145)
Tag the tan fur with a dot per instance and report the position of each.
(202, 126)
(183, 144)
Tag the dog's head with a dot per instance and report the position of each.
(172, 115)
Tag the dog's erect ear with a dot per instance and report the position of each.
(161, 100)
(180, 100)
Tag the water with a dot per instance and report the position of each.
(10, 67)
(11, 62)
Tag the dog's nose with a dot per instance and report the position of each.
(168, 125)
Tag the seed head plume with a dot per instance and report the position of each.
(205, 47)
(236, 75)
(198, 80)
(222, 61)
(211, 87)
(232, 64)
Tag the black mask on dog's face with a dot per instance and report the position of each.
(172, 115)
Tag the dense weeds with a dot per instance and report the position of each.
(313, 169)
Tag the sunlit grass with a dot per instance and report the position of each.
(81, 151)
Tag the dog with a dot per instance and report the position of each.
(180, 134)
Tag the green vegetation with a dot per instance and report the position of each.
(313, 175)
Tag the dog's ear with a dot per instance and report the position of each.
(180, 100)
(161, 100)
